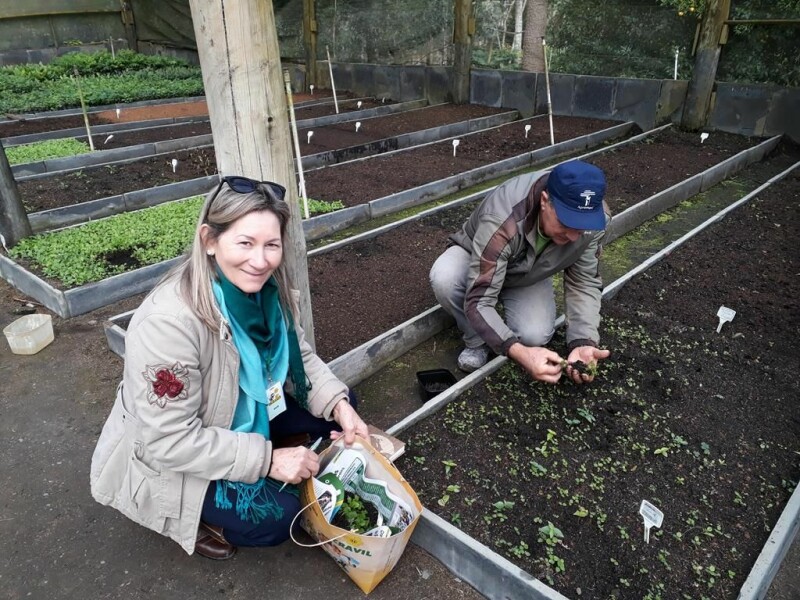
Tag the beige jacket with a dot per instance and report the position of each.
(168, 434)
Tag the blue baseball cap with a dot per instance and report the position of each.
(576, 190)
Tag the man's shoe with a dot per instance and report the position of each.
(472, 359)
(212, 544)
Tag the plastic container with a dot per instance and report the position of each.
(434, 382)
(29, 334)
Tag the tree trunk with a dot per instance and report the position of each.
(14, 223)
(463, 29)
(238, 47)
(535, 29)
(701, 85)
(519, 10)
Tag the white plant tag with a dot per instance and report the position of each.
(118, 111)
(652, 518)
(358, 126)
(703, 137)
(527, 129)
(455, 145)
(358, 104)
(108, 139)
(725, 315)
(174, 164)
(309, 134)
(312, 88)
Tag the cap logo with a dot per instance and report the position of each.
(587, 195)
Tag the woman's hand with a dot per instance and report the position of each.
(293, 465)
(351, 424)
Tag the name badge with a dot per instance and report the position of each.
(276, 401)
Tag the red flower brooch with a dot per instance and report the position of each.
(167, 384)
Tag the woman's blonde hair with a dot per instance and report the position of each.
(198, 269)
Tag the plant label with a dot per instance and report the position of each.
(455, 145)
(725, 315)
(527, 129)
(703, 137)
(308, 139)
(358, 126)
(312, 88)
(652, 518)
(358, 104)
(174, 164)
(118, 111)
(108, 139)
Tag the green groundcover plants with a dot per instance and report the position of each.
(45, 150)
(126, 77)
(91, 252)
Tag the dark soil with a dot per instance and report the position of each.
(391, 271)
(328, 137)
(92, 183)
(358, 182)
(704, 425)
(662, 161)
(345, 106)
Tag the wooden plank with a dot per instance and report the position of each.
(41, 8)
(239, 56)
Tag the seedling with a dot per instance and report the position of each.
(449, 465)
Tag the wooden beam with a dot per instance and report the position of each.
(463, 29)
(40, 8)
(701, 85)
(14, 223)
(130, 27)
(238, 48)
(310, 41)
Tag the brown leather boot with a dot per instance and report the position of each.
(212, 544)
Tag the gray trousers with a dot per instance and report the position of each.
(530, 312)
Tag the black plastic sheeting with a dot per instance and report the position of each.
(169, 22)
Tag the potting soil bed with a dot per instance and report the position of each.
(703, 424)
(42, 123)
(345, 106)
(391, 270)
(324, 138)
(92, 183)
(358, 182)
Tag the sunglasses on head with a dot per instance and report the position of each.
(245, 185)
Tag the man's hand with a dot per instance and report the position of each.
(351, 424)
(542, 364)
(293, 465)
(588, 355)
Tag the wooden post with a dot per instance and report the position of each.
(463, 30)
(14, 223)
(701, 85)
(126, 12)
(238, 48)
(310, 41)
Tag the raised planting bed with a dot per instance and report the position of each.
(329, 144)
(701, 423)
(389, 268)
(50, 208)
(88, 298)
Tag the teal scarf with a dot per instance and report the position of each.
(269, 352)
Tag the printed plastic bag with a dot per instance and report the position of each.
(367, 559)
